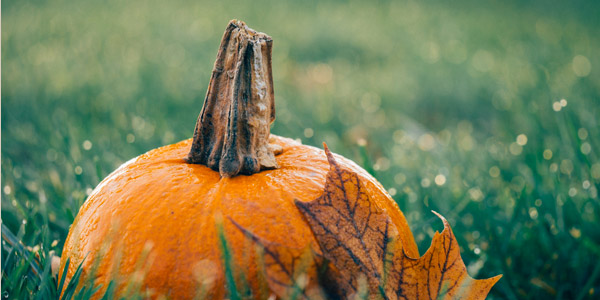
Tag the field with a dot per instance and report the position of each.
(488, 114)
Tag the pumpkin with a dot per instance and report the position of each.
(159, 220)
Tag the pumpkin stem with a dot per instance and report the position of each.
(232, 131)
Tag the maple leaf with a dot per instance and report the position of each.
(353, 232)
(362, 252)
(360, 240)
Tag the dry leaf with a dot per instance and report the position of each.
(354, 234)
(363, 254)
(361, 241)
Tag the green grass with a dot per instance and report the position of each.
(440, 95)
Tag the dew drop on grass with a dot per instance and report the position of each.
(476, 194)
(392, 191)
(515, 149)
(547, 154)
(308, 132)
(87, 145)
(426, 142)
(440, 179)
(572, 192)
(533, 213)
(556, 106)
(586, 184)
(563, 102)
(586, 148)
(575, 232)
(566, 166)
(494, 171)
(582, 133)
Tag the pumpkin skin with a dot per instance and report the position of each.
(161, 208)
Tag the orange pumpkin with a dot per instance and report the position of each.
(155, 221)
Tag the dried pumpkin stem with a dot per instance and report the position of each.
(232, 131)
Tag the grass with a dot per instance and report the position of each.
(487, 114)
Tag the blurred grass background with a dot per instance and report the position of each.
(487, 114)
